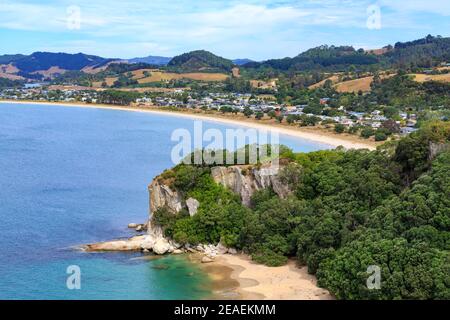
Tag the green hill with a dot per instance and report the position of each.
(200, 60)
(425, 52)
(321, 58)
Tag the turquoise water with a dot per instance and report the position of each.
(74, 175)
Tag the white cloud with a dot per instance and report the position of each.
(129, 28)
(440, 7)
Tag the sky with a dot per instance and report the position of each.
(252, 29)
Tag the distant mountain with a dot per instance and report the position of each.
(8, 58)
(45, 60)
(426, 52)
(43, 65)
(201, 60)
(153, 60)
(240, 62)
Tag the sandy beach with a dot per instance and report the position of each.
(312, 134)
(237, 277)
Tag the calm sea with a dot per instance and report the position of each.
(74, 175)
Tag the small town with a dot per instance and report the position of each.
(245, 103)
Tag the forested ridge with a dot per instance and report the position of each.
(200, 60)
(425, 52)
(349, 210)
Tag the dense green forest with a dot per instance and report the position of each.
(426, 52)
(322, 58)
(348, 210)
(200, 60)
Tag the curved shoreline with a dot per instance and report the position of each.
(293, 132)
(237, 277)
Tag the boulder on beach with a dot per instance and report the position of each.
(210, 250)
(221, 249)
(207, 259)
(161, 246)
(132, 225)
(148, 243)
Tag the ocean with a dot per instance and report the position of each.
(71, 176)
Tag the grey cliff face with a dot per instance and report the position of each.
(192, 205)
(162, 195)
(245, 182)
(242, 180)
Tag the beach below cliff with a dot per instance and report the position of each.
(315, 134)
(237, 277)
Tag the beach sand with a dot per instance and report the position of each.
(312, 134)
(237, 277)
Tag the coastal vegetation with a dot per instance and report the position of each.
(347, 211)
(123, 98)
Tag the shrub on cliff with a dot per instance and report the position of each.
(187, 177)
(220, 216)
(167, 220)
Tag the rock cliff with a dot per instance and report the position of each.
(161, 195)
(244, 181)
(437, 148)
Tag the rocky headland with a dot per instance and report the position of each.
(243, 180)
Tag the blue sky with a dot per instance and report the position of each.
(235, 29)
